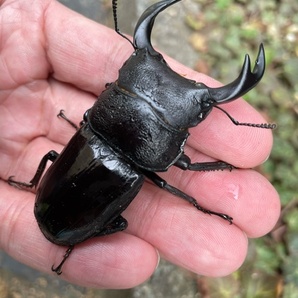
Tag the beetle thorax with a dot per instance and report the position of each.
(146, 113)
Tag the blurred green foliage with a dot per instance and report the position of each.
(224, 31)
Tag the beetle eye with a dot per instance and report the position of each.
(205, 105)
(199, 85)
(208, 104)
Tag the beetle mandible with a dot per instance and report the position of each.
(137, 127)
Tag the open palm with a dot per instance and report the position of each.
(52, 58)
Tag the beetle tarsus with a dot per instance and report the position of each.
(206, 211)
(18, 184)
(177, 192)
(62, 115)
(58, 269)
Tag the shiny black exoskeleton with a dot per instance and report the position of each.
(138, 126)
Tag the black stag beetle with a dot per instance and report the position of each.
(138, 126)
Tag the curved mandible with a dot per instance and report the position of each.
(142, 33)
(246, 80)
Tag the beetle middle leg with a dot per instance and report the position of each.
(175, 191)
(185, 163)
(117, 225)
(51, 155)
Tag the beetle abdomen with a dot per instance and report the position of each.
(86, 189)
(131, 127)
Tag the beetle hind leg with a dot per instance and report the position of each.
(175, 191)
(51, 155)
(58, 269)
(117, 225)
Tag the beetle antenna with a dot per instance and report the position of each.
(261, 125)
(114, 4)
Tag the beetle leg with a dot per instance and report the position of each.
(119, 224)
(62, 115)
(175, 191)
(184, 163)
(59, 267)
(51, 155)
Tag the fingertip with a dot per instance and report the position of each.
(252, 200)
(117, 262)
(241, 146)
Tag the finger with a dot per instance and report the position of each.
(116, 261)
(185, 236)
(241, 146)
(95, 51)
(245, 195)
(22, 40)
(201, 243)
(30, 126)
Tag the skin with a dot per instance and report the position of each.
(52, 58)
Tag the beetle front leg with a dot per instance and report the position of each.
(51, 155)
(185, 163)
(63, 116)
(177, 192)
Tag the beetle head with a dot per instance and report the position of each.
(196, 98)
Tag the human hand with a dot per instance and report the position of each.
(52, 58)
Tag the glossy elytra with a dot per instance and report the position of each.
(137, 127)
